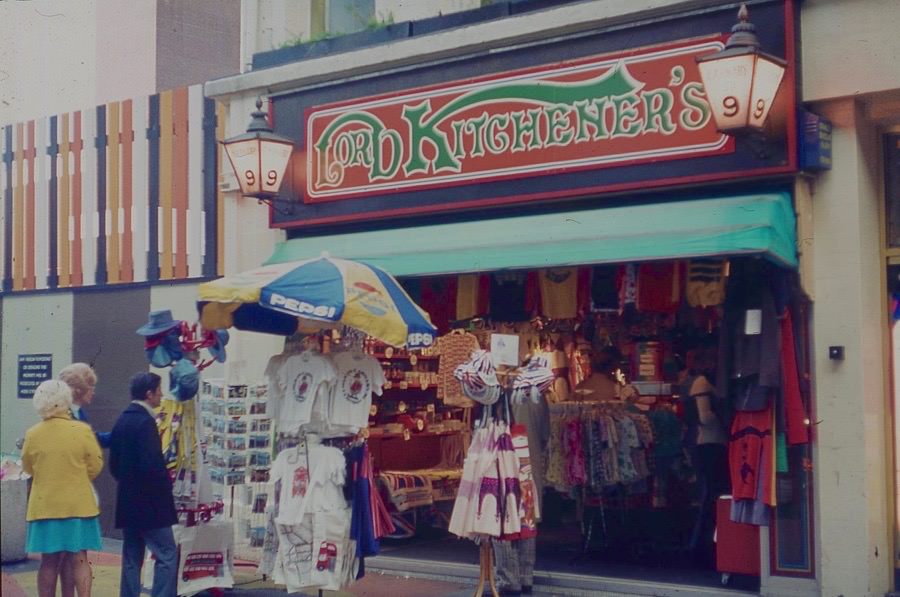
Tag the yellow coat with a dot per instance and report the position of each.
(63, 457)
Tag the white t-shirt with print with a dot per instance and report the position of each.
(302, 379)
(312, 484)
(358, 376)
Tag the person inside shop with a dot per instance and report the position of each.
(145, 508)
(602, 385)
(63, 457)
(82, 379)
(707, 442)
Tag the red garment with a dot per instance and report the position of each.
(583, 293)
(659, 287)
(750, 452)
(794, 411)
(438, 298)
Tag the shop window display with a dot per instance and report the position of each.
(665, 387)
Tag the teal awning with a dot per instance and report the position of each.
(748, 224)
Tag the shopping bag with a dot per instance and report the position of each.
(205, 559)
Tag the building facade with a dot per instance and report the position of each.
(108, 166)
(841, 212)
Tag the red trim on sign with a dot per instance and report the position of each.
(523, 199)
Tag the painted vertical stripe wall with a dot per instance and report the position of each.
(123, 192)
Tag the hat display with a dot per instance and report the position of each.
(163, 351)
(217, 348)
(184, 380)
(158, 322)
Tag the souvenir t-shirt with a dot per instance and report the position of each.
(472, 295)
(276, 396)
(300, 379)
(310, 482)
(358, 376)
(509, 297)
(558, 292)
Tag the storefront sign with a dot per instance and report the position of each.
(33, 369)
(627, 108)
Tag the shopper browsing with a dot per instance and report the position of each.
(80, 377)
(145, 509)
(63, 457)
(602, 385)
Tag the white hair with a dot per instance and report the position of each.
(53, 397)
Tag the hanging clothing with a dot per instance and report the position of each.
(473, 293)
(357, 376)
(795, 412)
(515, 563)
(559, 287)
(454, 349)
(659, 287)
(301, 380)
(751, 456)
(706, 282)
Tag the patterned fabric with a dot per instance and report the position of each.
(406, 490)
(455, 349)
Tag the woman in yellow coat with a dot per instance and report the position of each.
(63, 457)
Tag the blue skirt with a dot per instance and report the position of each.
(53, 535)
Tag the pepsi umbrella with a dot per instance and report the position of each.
(339, 291)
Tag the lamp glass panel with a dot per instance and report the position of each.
(728, 82)
(766, 79)
(244, 157)
(275, 156)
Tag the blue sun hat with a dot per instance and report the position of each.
(217, 350)
(184, 380)
(158, 322)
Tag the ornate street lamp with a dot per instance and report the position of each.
(740, 81)
(259, 158)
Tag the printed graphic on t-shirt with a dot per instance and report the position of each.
(355, 386)
(301, 482)
(302, 385)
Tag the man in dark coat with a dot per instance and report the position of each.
(145, 509)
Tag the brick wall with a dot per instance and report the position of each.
(196, 40)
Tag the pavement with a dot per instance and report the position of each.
(19, 579)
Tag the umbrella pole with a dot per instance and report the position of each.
(486, 572)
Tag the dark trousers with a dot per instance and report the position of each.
(711, 462)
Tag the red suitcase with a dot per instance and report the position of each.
(737, 544)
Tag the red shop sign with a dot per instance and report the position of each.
(631, 107)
